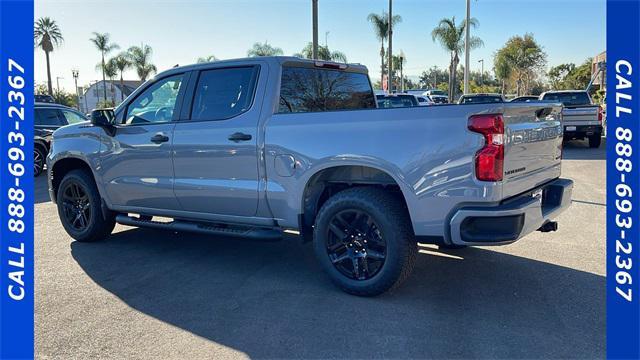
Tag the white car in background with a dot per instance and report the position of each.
(436, 96)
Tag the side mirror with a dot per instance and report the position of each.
(104, 119)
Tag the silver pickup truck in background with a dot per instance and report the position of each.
(253, 147)
(580, 117)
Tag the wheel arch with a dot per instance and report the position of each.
(63, 166)
(325, 181)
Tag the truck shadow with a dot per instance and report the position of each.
(41, 189)
(580, 150)
(270, 300)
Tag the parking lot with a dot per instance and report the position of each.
(145, 293)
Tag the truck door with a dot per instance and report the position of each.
(135, 160)
(215, 151)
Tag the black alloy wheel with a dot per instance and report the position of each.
(76, 206)
(38, 161)
(355, 245)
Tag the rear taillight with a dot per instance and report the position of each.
(489, 159)
(600, 113)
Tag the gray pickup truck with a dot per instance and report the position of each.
(254, 147)
(580, 117)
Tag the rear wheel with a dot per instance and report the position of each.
(595, 140)
(79, 208)
(364, 241)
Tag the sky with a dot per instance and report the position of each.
(181, 31)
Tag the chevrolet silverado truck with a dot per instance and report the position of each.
(254, 147)
(580, 117)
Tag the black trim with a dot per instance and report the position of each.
(491, 228)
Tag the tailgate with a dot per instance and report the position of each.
(580, 115)
(533, 145)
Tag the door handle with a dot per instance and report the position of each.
(238, 136)
(159, 138)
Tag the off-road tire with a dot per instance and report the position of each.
(595, 141)
(391, 219)
(98, 225)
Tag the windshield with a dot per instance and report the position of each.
(569, 98)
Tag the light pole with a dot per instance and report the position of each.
(314, 50)
(75, 74)
(389, 49)
(58, 82)
(481, 71)
(466, 48)
(401, 74)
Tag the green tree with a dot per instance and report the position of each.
(207, 59)
(432, 77)
(103, 43)
(380, 24)
(558, 74)
(526, 59)
(502, 69)
(264, 49)
(324, 53)
(580, 77)
(110, 70)
(140, 58)
(451, 37)
(47, 35)
(121, 63)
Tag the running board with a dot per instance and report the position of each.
(257, 233)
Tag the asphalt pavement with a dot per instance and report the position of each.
(151, 294)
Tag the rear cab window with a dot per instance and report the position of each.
(569, 98)
(315, 89)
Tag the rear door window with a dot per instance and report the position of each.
(72, 117)
(49, 117)
(314, 90)
(224, 93)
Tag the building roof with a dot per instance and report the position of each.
(127, 89)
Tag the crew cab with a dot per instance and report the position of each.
(254, 147)
(581, 118)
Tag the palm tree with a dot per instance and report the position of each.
(381, 28)
(110, 71)
(323, 54)
(102, 43)
(122, 63)
(207, 59)
(264, 49)
(140, 58)
(46, 35)
(451, 38)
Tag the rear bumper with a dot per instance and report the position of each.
(581, 131)
(513, 219)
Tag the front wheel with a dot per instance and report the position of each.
(595, 140)
(79, 208)
(364, 241)
(38, 160)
